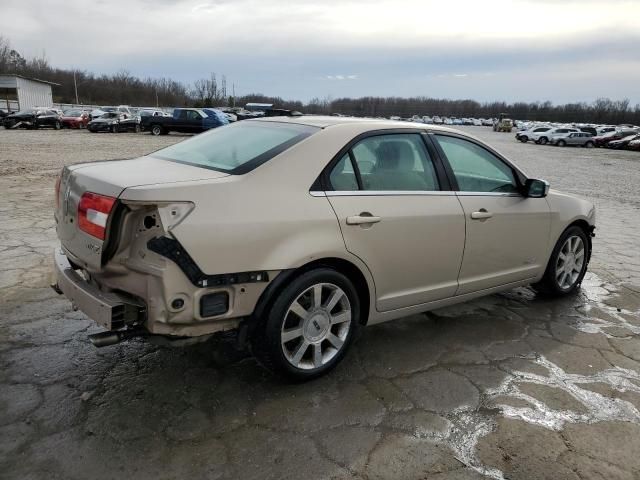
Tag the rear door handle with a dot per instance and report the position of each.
(364, 218)
(482, 214)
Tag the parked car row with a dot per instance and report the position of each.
(123, 118)
(583, 136)
(437, 120)
(117, 119)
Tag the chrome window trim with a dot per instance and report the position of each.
(406, 193)
(488, 194)
(372, 193)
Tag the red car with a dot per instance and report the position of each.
(75, 119)
(603, 140)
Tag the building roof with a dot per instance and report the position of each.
(28, 78)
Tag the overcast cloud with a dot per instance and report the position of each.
(561, 50)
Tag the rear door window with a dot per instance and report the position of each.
(393, 162)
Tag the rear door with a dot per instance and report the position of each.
(574, 138)
(399, 216)
(506, 233)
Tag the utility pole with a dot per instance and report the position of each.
(75, 86)
(233, 90)
(157, 103)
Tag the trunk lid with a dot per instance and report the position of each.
(110, 178)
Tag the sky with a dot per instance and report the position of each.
(512, 50)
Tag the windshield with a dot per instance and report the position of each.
(109, 109)
(28, 111)
(73, 113)
(237, 148)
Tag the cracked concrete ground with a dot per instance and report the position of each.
(508, 386)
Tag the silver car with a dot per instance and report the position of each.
(575, 139)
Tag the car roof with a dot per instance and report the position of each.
(323, 121)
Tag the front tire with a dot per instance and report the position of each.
(543, 140)
(561, 143)
(567, 265)
(524, 139)
(309, 327)
(589, 144)
(57, 125)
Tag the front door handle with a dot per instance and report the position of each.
(482, 214)
(365, 218)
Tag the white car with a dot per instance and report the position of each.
(298, 231)
(532, 134)
(544, 138)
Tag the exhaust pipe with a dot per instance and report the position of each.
(105, 339)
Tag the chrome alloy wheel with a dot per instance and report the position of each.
(570, 262)
(316, 326)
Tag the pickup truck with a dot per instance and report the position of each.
(187, 120)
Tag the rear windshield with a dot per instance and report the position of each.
(237, 148)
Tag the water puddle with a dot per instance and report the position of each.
(587, 406)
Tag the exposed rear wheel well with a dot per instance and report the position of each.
(345, 267)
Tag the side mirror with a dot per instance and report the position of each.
(534, 188)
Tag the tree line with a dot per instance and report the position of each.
(122, 88)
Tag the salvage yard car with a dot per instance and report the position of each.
(298, 231)
(604, 139)
(533, 134)
(114, 122)
(33, 118)
(574, 139)
(185, 120)
(75, 118)
(623, 142)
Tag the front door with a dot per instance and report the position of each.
(507, 234)
(395, 218)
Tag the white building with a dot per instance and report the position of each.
(18, 92)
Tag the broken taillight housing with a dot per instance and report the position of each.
(93, 213)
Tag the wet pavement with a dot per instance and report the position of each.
(510, 386)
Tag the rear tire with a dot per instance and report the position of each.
(561, 143)
(589, 145)
(57, 125)
(114, 129)
(543, 140)
(156, 130)
(137, 128)
(309, 327)
(567, 265)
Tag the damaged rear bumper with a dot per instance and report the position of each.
(108, 309)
